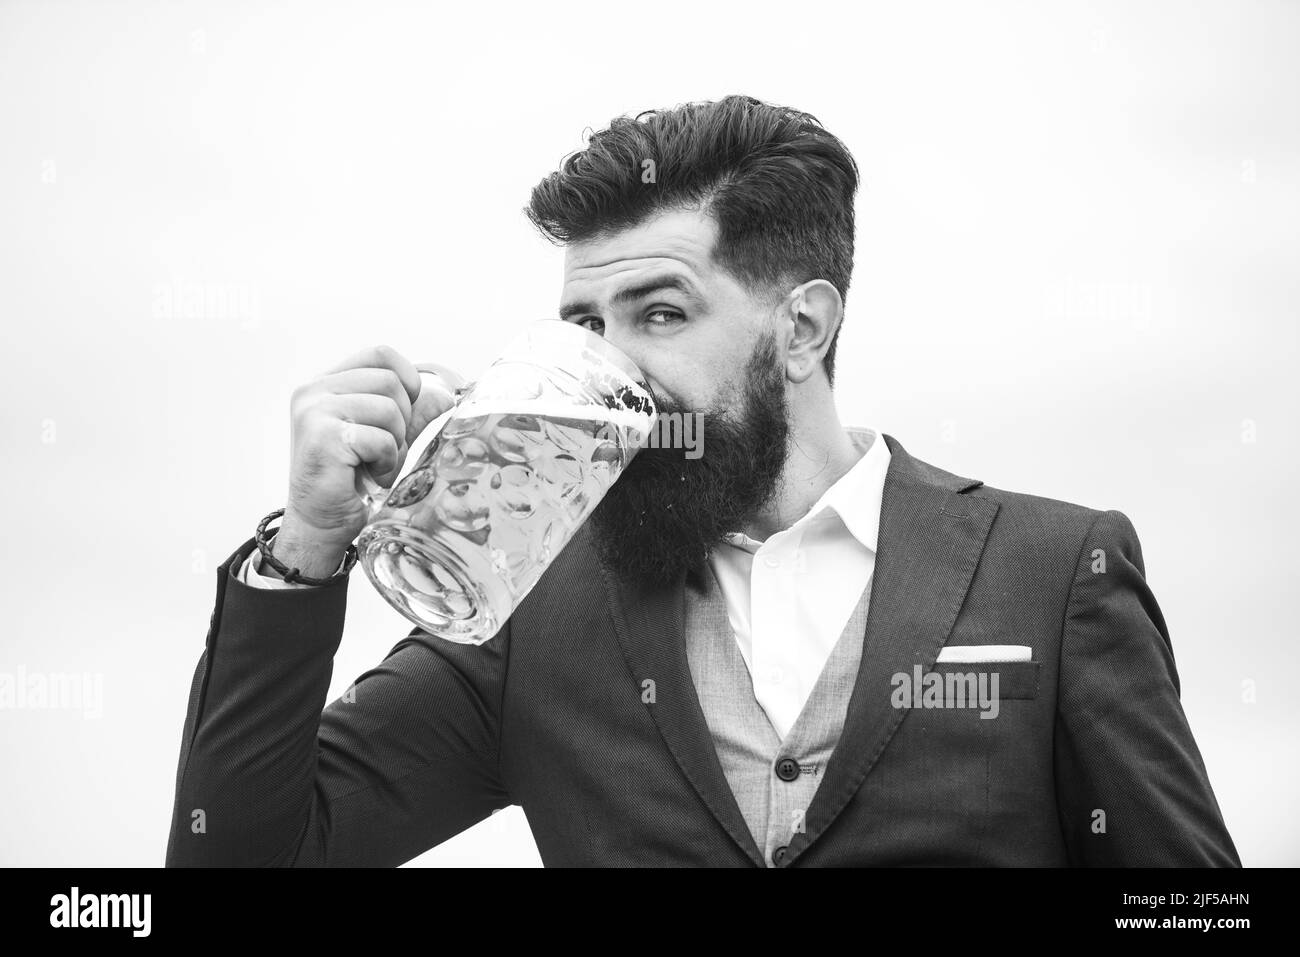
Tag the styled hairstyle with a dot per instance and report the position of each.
(779, 186)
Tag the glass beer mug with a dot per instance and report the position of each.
(520, 462)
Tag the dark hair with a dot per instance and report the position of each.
(779, 186)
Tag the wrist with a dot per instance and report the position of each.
(297, 533)
(297, 553)
(313, 560)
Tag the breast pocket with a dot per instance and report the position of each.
(968, 683)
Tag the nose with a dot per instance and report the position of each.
(645, 364)
(627, 345)
(625, 340)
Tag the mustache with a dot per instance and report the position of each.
(666, 405)
(667, 511)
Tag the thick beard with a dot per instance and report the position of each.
(666, 512)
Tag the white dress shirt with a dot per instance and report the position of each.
(789, 597)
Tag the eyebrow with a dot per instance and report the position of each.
(639, 291)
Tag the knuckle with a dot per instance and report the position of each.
(319, 428)
(306, 400)
(300, 420)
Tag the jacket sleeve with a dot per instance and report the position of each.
(1132, 787)
(405, 759)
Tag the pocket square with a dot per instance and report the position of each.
(972, 654)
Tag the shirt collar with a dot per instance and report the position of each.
(856, 498)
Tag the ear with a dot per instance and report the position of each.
(814, 311)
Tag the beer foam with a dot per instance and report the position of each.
(550, 408)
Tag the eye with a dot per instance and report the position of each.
(662, 317)
(593, 324)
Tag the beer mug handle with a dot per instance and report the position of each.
(373, 495)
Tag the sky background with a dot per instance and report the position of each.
(1076, 276)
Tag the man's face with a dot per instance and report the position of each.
(704, 345)
(688, 342)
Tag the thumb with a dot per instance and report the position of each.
(438, 385)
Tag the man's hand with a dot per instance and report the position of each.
(364, 412)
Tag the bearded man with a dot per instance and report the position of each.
(803, 647)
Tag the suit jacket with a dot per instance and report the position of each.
(1090, 760)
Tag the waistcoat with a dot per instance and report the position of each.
(773, 780)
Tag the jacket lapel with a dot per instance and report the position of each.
(931, 538)
(650, 625)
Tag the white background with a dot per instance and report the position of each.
(1076, 276)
